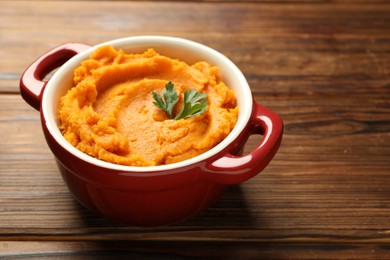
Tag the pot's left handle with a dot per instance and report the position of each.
(32, 81)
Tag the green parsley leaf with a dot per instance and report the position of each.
(194, 104)
(170, 99)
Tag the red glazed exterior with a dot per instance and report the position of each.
(162, 196)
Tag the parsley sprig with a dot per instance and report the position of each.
(194, 103)
(170, 99)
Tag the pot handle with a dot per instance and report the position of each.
(32, 83)
(231, 169)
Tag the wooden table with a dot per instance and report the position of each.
(323, 66)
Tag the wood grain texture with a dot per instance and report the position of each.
(323, 67)
(185, 250)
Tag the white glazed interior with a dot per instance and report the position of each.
(185, 50)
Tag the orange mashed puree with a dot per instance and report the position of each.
(109, 113)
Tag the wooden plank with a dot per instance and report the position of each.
(275, 49)
(251, 1)
(183, 250)
(326, 199)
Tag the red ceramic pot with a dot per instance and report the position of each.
(156, 195)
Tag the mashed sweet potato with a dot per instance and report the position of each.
(109, 113)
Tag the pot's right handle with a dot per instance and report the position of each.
(230, 169)
(32, 81)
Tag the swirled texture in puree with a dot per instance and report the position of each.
(109, 113)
